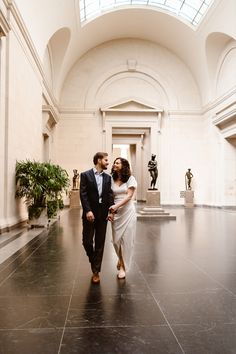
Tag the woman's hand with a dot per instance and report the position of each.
(113, 209)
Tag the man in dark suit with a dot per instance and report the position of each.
(96, 198)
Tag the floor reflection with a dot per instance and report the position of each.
(179, 296)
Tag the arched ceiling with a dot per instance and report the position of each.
(156, 26)
(191, 11)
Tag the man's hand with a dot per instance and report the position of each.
(110, 217)
(90, 217)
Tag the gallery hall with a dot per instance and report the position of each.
(118, 176)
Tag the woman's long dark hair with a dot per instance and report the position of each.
(124, 173)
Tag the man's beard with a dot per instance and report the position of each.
(104, 167)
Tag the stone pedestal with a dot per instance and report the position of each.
(153, 198)
(153, 207)
(74, 199)
(188, 199)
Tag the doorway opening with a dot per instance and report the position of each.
(134, 145)
(127, 151)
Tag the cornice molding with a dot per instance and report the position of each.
(7, 3)
(4, 25)
(225, 114)
(180, 112)
(225, 120)
(77, 114)
(49, 97)
(230, 132)
(50, 110)
(230, 95)
(24, 32)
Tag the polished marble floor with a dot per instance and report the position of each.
(179, 297)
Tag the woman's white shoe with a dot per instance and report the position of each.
(121, 274)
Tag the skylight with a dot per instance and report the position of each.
(190, 10)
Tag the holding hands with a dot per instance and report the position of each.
(113, 209)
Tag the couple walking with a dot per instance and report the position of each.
(104, 198)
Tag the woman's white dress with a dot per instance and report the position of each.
(124, 224)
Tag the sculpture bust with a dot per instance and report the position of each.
(152, 168)
(75, 180)
(188, 179)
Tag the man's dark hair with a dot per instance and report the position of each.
(99, 155)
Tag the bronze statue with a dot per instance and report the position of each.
(188, 179)
(75, 180)
(152, 168)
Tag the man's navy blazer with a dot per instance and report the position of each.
(89, 193)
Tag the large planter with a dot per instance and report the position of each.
(42, 185)
(41, 221)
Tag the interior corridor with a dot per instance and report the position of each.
(179, 297)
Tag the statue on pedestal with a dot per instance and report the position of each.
(75, 180)
(152, 168)
(188, 179)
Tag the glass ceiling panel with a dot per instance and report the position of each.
(190, 10)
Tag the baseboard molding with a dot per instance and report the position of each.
(20, 224)
(222, 207)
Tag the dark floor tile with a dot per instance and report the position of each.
(34, 290)
(207, 339)
(39, 279)
(211, 265)
(19, 257)
(59, 250)
(31, 341)
(165, 266)
(227, 280)
(199, 307)
(188, 265)
(121, 310)
(110, 284)
(110, 340)
(181, 283)
(33, 312)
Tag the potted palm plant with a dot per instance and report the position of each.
(42, 184)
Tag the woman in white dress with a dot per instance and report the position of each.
(124, 222)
